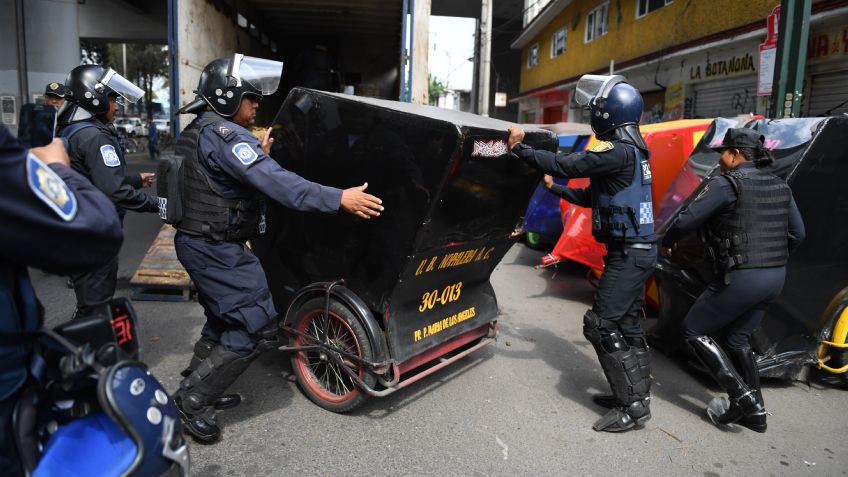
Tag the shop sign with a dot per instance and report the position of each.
(726, 67)
(829, 44)
(674, 96)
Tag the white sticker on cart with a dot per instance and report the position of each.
(493, 148)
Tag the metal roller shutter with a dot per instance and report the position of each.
(828, 94)
(726, 97)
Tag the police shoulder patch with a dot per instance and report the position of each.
(602, 146)
(223, 130)
(51, 189)
(110, 156)
(245, 153)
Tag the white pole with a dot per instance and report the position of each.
(485, 56)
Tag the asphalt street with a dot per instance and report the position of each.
(519, 407)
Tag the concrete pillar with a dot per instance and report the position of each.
(485, 57)
(50, 50)
(52, 42)
(420, 51)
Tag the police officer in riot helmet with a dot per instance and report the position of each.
(93, 95)
(749, 222)
(622, 219)
(226, 172)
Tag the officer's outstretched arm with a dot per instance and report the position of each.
(581, 197)
(797, 231)
(716, 195)
(59, 222)
(108, 175)
(247, 163)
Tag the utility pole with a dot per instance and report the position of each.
(485, 57)
(23, 80)
(791, 60)
(420, 51)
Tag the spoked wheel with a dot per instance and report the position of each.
(319, 376)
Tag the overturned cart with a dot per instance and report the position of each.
(371, 304)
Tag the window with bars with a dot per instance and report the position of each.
(533, 56)
(644, 7)
(596, 22)
(558, 42)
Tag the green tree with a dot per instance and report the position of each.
(436, 88)
(144, 63)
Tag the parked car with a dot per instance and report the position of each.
(131, 126)
(162, 125)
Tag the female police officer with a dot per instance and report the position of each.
(226, 172)
(622, 219)
(750, 226)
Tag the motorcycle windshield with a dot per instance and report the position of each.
(124, 87)
(594, 86)
(262, 74)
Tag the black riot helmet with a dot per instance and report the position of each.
(225, 81)
(87, 91)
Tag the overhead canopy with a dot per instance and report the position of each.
(330, 17)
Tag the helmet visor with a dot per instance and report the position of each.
(262, 74)
(590, 87)
(122, 86)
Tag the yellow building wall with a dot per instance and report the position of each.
(628, 37)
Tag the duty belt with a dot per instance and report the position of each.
(640, 246)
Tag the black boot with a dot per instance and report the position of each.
(743, 401)
(746, 364)
(202, 348)
(626, 365)
(200, 390)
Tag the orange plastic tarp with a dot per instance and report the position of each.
(670, 144)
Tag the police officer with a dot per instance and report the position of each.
(93, 94)
(750, 223)
(622, 219)
(226, 171)
(55, 220)
(38, 121)
(54, 95)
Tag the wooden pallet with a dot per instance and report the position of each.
(161, 277)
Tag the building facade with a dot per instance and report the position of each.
(690, 59)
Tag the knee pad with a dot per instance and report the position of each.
(606, 339)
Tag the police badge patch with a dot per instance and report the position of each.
(110, 157)
(245, 153)
(51, 189)
(602, 146)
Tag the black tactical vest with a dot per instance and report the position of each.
(755, 233)
(204, 211)
(629, 213)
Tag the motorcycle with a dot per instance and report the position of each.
(92, 408)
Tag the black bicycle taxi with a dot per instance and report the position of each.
(373, 306)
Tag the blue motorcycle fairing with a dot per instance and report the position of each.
(92, 445)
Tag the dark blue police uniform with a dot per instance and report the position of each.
(55, 220)
(95, 153)
(230, 281)
(630, 260)
(737, 301)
